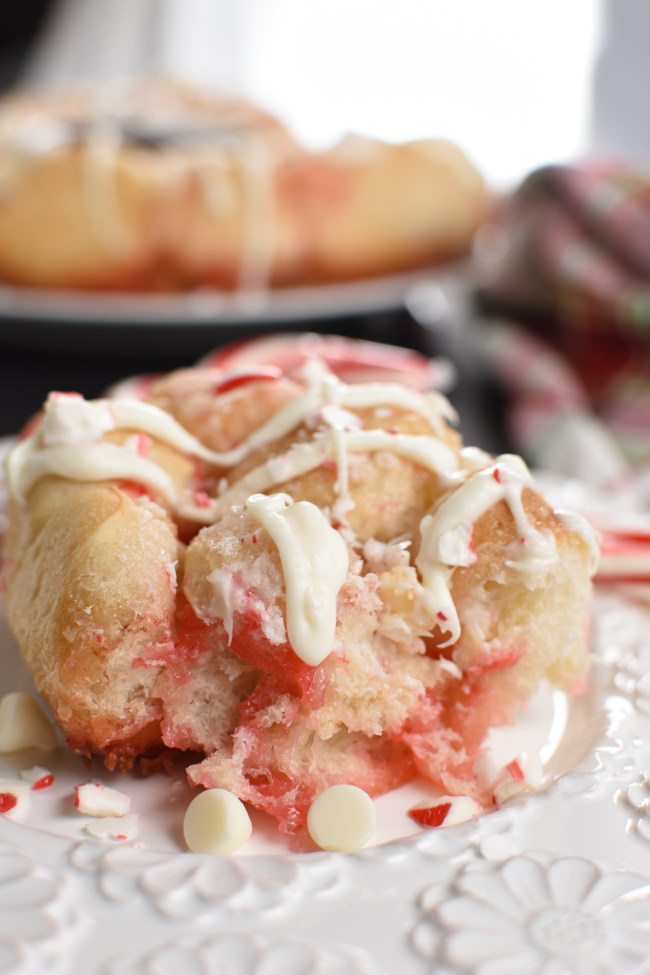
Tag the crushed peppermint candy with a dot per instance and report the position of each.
(114, 827)
(241, 377)
(446, 811)
(201, 499)
(455, 546)
(7, 801)
(521, 774)
(139, 443)
(337, 418)
(94, 799)
(14, 798)
(37, 777)
(512, 782)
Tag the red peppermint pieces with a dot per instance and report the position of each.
(7, 801)
(430, 815)
(233, 380)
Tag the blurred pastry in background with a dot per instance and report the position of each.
(158, 187)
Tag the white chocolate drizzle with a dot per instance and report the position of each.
(578, 524)
(314, 560)
(304, 457)
(446, 535)
(85, 462)
(70, 445)
(99, 183)
(324, 390)
(83, 423)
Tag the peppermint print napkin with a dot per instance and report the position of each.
(568, 263)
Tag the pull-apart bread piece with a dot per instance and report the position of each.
(306, 581)
(159, 187)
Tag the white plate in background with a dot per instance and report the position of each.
(76, 321)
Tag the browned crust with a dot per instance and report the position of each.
(90, 595)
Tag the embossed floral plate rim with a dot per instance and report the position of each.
(556, 881)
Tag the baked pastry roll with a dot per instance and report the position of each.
(303, 580)
(162, 188)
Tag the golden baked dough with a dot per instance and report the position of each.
(354, 596)
(162, 188)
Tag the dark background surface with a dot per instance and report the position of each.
(19, 24)
(27, 374)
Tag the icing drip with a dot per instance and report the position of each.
(325, 397)
(87, 462)
(577, 523)
(314, 561)
(447, 535)
(70, 445)
(101, 198)
(303, 457)
(324, 390)
(258, 231)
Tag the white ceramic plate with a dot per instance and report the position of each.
(554, 882)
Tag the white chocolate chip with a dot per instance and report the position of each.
(216, 821)
(93, 799)
(24, 725)
(113, 827)
(341, 819)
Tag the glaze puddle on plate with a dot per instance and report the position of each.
(558, 728)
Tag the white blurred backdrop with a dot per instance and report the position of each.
(516, 84)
